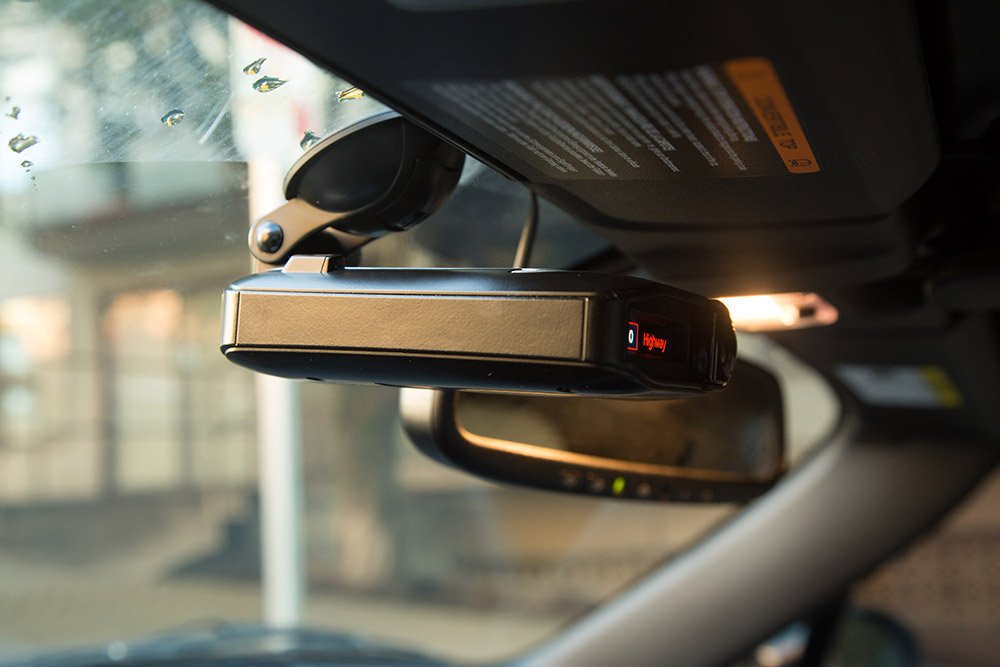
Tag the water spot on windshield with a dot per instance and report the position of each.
(21, 142)
(309, 139)
(266, 84)
(352, 93)
(172, 117)
(27, 165)
(254, 67)
(117, 651)
(14, 112)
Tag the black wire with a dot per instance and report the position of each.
(523, 255)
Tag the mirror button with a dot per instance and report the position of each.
(569, 479)
(596, 483)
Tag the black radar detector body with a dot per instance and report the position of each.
(502, 329)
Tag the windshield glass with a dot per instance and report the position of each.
(142, 137)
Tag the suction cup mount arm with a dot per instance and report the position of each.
(381, 175)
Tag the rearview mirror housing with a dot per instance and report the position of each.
(726, 446)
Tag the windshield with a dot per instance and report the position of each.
(142, 137)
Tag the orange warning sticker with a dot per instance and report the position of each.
(758, 83)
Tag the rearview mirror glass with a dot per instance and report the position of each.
(722, 446)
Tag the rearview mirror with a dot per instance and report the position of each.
(724, 446)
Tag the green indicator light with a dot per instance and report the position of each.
(618, 486)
